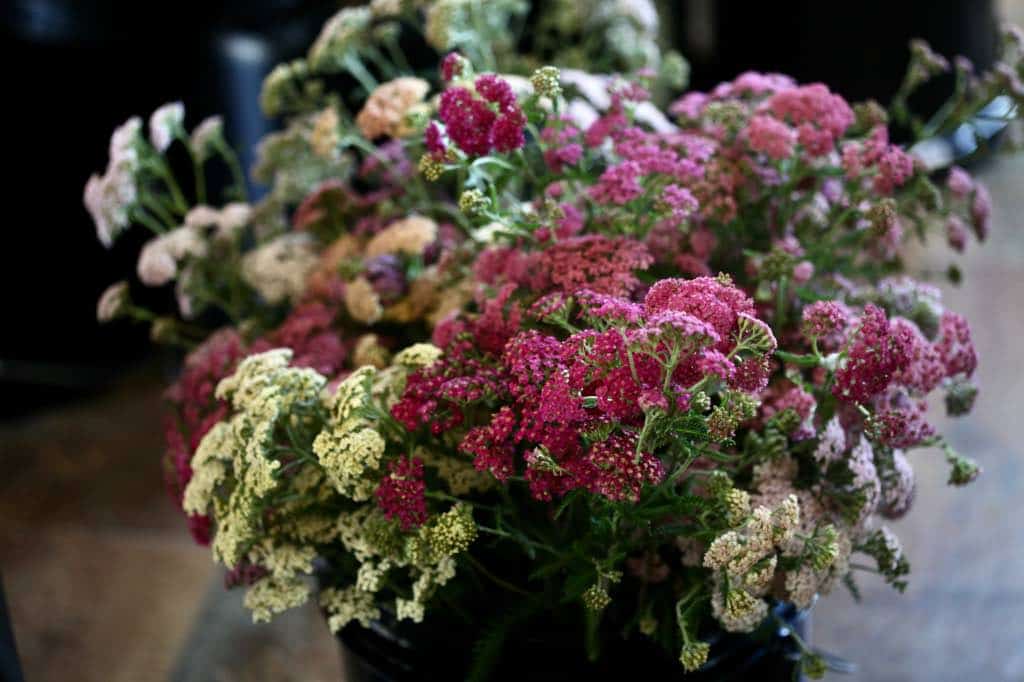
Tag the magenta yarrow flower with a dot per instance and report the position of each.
(401, 494)
(878, 353)
(477, 126)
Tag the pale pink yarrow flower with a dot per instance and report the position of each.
(959, 182)
(109, 197)
(803, 271)
(956, 233)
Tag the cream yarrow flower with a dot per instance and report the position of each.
(596, 598)
(738, 610)
(409, 609)
(370, 575)
(209, 468)
(271, 596)
(347, 452)
(352, 394)
(325, 136)
(282, 560)
(346, 605)
(418, 355)
(443, 536)
(409, 236)
(280, 268)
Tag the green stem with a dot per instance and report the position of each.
(149, 221)
(355, 67)
(519, 539)
(238, 177)
(200, 176)
(163, 171)
(780, 302)
(161, 213)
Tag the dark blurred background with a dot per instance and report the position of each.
(77, 69)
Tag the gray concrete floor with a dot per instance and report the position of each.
(963, 614)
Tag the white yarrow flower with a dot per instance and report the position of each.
(122, 142)
(165, 123)
(109, 197)
(112, 302)
(158, 260)
(205, 137)
(156, 266)
(278, 269)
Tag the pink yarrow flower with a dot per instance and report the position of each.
(771, 137)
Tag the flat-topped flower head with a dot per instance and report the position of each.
(878, 354)
(401, 494)
(478, 126)
(706, 298)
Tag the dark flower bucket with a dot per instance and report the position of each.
(540, 650)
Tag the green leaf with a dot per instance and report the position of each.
(487, 649)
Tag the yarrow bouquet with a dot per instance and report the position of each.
(495, 340)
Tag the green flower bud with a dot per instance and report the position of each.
(596, 598)
(960, 398)
(813, 666)
(694, 655)
(963, 469)
(430, 167)
(546, 81)
(472, 202)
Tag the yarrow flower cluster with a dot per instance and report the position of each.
(641, 359)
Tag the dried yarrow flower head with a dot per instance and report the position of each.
(385, 111)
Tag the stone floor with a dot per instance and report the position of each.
(963, 613)
(102, 578)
